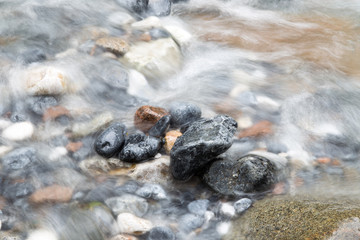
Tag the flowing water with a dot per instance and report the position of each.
(294, 63)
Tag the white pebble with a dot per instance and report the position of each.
(223, 228)
(129, 223)
(57, 153)
(227, 209)
(42, 234)
(19, 131)
(244, 122)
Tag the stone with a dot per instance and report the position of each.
(223, 228)
(94, 166)
(74, 146)
(97, 123)
(128, 203)
(152, 191)
(161, 233)
(18, 131)
(183, 113)
(119, 19)
(51, 194)
(57, 153)
(130, 224)
(42, 234)
(159, 7)
(18, 190)
(242, 205)
(179, 34)
(113, 44)
(111, 140)
(259, 129)
(147, 116)
(157, 33)
(147, 23)
(248, 174)
(138, 6)
(39, 104)
(170, 139)
(46, 81)
(227, 210)
(159, 129)
(200, 144)
(190, 222)
(157, 59)
(139, 148)
(198, 207)
(19, 159)
(54, 112)
(349, 229)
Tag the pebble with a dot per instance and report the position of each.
(259, 129)
(159, 129)
(97, 123)
(111, 140)
(198, 207)
(202, 142)
(152, 191)
(113, 44)
(42, 234)
(17, 190)
(183, 113)
(179, 34)
(19, 159)
(46, 81)
(139, 148)
(57, 153)
(130, 224)
(161, 233)
(242, 205)
(147, 23)
(170, 139)
(227, 210)
(55, 112)
(94, 166)
(147, 116)
(51, 194)
(223, 228)
(128, 203)
(39, 104)
(18, 131)
(190, 222)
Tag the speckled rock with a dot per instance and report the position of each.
(113, 44)
(19, 159)
(111, 140)
(190, 222)
(147, 116)
(130, 224)
(200, 144)
(198, 207)
(39, 104)
(183, 113)
(152, 191)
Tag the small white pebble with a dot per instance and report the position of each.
(158, 155)
(223, 228)
(57, 153)
(42, 234)
(244, 122)
(19, 131)
(227, 210)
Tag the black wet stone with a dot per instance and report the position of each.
(183, 113)
(39, 104)
(200, 144)
(19, 159)
(251, 173)
(159, 129)
(139, 148)
(111, 140)
(161, 233)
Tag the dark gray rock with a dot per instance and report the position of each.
(157, 33)
(128, 203)
(242, 205)
(128, 187)
(159, 129)
(182, 113)
(190, 222)
(104, 219)
(19, 159)
(39, 104)
(18, 190)
(198, 207)
(138, 6)
(251, 173)
(139, 148)
(200, 144)
(159, 7)
(161, 233)
(111, 140)
(153, 191)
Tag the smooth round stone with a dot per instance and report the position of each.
(129, 223)
(19, 159)
(227, 210)
(161, 233)
(39, 104)
(190, 222)
(198, 207)
(153, 191)
(147, 116)
(111, 140)
(182, 113)
(18, 131)
(128, 203)
(139, 148)
(159, 129)
(242, 205)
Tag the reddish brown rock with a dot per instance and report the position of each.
(74, 146)
(147, 116)
(170, 139)
(54, 112)
(51, 194)
(259, 129)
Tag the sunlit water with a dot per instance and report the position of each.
(294, 63)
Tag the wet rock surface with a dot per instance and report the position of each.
(183, 113)
(147, 116)
(200, 144)
(111, 140)
(159, 129)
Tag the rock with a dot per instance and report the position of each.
(200, 144)
(190, 222)
(198, 207)
(157, 59)
(138, 6)
(161, 233)
(18, 131)
(74, 146)
(242, 205)
(46, 81)
(119, 19)
(259, 129)
(54, 112)
(159, 129)
(128, 187)
(19, 159)
(18, 190)
(152, 191)
(113, 44)
(130, 224)
(33, 55)
(39, 104)
(139, 148)
(223, 228)
(86, 128)
(94, 166)
(170, 139)
(42, 234)
(57, 153)
(248, 174)
(51, 194)
(128, 203)
(111, 140)
(159, 7)
(147, 116)
(227, 210)
(147, 23)
(123, 237)
(183, 113)
(179, 34)
(157, 33)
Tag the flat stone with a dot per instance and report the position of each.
(130, 224)
(147, 116)
(51, 194)
(127, 203)
(242, 205)
(95, 166)
(200, 144)
(170, 139)
(259, 129)
(113, 44)
(18, 131)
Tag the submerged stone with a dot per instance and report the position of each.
(161, 233)
(128, 203)
(147, 116)
(200, 144)
(182, 113)
(159, 129)
(111, 140)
